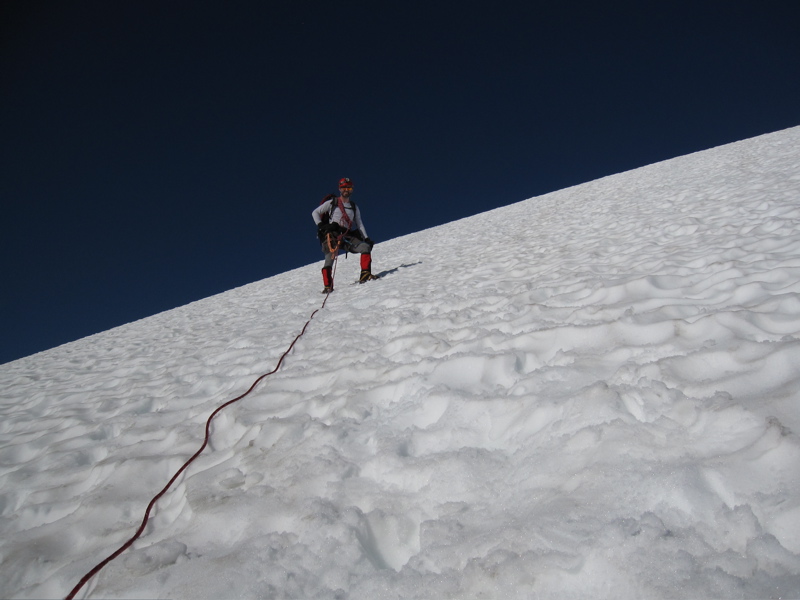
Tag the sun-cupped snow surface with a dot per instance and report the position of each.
(594, 393)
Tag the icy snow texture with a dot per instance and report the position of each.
(590, 394)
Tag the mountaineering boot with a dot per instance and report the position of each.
(327, 280)
(366, 276)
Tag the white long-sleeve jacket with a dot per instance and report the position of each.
(336, 217)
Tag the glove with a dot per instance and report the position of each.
(325, 228)
(370, 242)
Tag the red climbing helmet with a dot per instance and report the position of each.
(345, 182)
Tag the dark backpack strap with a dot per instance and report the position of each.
(326, 217)
(334, 204)
(355, 210)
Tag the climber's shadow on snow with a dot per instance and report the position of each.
(396, 269)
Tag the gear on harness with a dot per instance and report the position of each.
(331, 242)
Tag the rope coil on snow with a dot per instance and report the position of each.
(155, 499)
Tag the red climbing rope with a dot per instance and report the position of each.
(155, 499)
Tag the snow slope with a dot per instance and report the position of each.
(592, 393)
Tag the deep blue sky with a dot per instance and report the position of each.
(155, 153)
